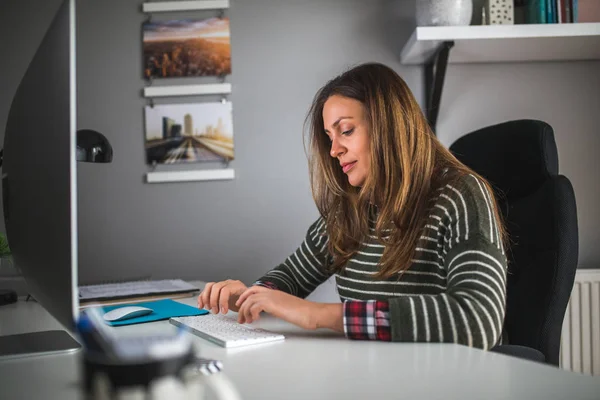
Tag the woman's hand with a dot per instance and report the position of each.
(277, 303)
(221, 296)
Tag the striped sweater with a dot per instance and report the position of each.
(454, 291)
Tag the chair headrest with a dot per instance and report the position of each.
(515, 156)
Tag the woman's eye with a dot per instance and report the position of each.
(348, 132)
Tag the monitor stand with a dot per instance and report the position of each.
(37, 344)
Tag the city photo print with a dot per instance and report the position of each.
(185, 48)
(189, 133)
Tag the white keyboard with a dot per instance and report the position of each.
(225, 331)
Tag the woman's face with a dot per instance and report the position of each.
(346, 126)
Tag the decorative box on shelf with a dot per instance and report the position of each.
(501, 12)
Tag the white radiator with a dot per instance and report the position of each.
(580, 342)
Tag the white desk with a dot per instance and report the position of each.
(313, 365)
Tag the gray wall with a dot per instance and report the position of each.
(282, 52)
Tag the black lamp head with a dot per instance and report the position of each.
(92, 146)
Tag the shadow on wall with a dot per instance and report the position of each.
(398, 23)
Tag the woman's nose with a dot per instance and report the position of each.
(336, 149)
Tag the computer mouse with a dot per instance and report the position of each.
(126, 312)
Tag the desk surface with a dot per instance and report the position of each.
(313, 365)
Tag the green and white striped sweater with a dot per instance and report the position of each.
(455, 289)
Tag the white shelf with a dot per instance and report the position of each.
(187, 90)
(190, 176)
(184, 5)
(506, 43)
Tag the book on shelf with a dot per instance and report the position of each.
(553, 11)
(560, 11)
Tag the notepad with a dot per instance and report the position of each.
(123, 290)
(161, 309)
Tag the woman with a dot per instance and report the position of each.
(412, 235)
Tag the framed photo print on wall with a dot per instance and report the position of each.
(180, 48)
(189, 133)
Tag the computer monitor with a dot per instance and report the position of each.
(39, 178)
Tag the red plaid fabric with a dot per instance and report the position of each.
(363, 320)
(268, 285)
(367, 320)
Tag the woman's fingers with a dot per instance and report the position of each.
(243, 297)
(204, 298)
(242, 312)
(250, 310)
(248, 314)
(248, 292)
(215, 295)
(241, 319)
(224, 300)
(255, 311)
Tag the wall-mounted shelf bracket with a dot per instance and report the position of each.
(435, 72)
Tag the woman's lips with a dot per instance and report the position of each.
(348, 167)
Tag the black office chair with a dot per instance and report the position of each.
(520, 160)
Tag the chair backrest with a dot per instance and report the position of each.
(520, 160)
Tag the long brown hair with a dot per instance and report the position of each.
(407, 162)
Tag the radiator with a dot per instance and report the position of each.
(580, 341)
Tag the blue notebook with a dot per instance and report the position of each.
(161, 309)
